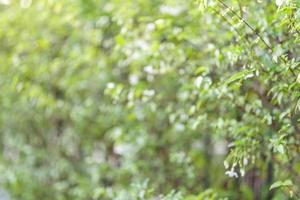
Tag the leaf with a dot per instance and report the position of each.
(297, 106)
(203, 4)
(278, 184)
(120, 40)
(240, 75)
(200, 70)
(280, 148)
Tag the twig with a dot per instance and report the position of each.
(255, 32)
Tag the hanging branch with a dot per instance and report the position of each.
(256, 33)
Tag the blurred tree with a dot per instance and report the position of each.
(162, 99)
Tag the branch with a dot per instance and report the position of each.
(255, 32)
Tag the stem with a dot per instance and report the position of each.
(270, 177)
(255, 32)
(207, 157)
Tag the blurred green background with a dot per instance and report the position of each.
(137, 99)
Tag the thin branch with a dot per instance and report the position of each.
(255, 32)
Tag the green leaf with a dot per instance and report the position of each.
(200, 70)
(280, 148)
(240, 75)
(278, 184)
(203, 5)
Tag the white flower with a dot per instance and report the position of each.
(232, 174)
(133, 79)
(174, 11)
(279, 3)
(150, 27)
(245, 161)
(198, 81)
(110, 85)
(149, 93)
(149, 69)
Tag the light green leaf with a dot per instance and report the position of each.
(240, 75)
(203, 4)
(200, 70)
(281, 184)
(280, 148)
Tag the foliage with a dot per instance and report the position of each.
(160, 99)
